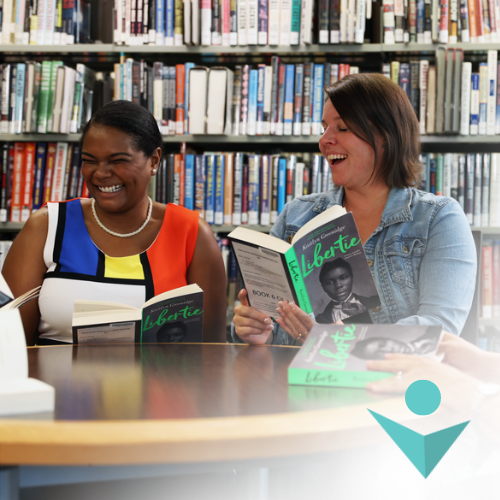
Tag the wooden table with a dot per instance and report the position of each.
(183, 404)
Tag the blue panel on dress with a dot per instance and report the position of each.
(78, 253)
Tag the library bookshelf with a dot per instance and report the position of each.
(102, 57)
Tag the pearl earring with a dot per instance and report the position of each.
(154, 170)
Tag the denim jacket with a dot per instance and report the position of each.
(422, 257)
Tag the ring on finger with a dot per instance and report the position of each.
(302, 335)
(399, 375)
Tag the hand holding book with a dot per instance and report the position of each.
(251, 326)
(295, 321)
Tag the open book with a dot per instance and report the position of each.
(173, 316)
(324, 269)
(7, 300)
(336, 355)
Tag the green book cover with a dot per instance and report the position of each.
(336, 355)
(52, 91)
(44, 97)
(295, 24)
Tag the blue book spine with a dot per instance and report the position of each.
(432, 173)
(281, 184)
(253, 189)
(420, 20)
(297, 112)
(39, 175)
(263, 21)
(260, 99)
(200, 180)
(160, 21)
(317, 99)
(404, 78)
(210, 193)
(189, 181)
(188, 67)
(169, 22)
(474, 107)
(252, 102)
(483, 97)
(219, 189)
(18, 117)
(289, 98)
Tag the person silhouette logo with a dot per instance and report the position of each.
(424, 451)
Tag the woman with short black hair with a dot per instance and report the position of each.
(118, 246)
(419, 246)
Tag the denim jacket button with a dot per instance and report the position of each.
(405, 249)
(375, 309)
(370, 262)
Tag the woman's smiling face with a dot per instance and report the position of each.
(350, 158)
(116, 173)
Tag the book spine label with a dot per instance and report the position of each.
(281, 184)
(189, 182)
(298, 281)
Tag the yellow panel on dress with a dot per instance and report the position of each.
(123, 267)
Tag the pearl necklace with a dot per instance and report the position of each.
(119, 235)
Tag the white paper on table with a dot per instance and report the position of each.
(13, 356)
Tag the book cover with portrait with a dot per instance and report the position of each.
(336, 355)
(336, 273)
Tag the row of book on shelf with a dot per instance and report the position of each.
(490, 279)
(275, 99)
(248, 22)
(234, 188)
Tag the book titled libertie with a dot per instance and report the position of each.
(336, 355)
(173, 316)
(324, 270)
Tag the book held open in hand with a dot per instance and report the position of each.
(324, 270)
(7, 300)
(173, 316)
(336, 355)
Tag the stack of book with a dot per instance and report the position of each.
(45, 98)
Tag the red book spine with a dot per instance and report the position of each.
(343, 70)
(180, 72)
(49, 171)
(17, 182)
(29, 168)
(479, 20)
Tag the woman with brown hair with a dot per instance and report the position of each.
(419, 246)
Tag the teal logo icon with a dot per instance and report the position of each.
(424, 451)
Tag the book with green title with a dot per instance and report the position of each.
(336, 355)
(173, 316)
(324, 269)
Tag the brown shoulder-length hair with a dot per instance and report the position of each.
(370, 104)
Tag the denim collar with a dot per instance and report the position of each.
(397, 208)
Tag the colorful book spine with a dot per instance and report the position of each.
(19, 109)
(169, 22)
(228, 187)
(237, 189)
(492, 91)
(274, 187)
(281, 184)
(28, 175)
(295, 22)
(265, 190)
(206, 22)
(263, 22)
(187, 69)
(252, 102)
(298, 104)
(200, 180)
(253, 189)
(245, 84)
(189, 181)
(180, 105)
(289, 100)
(317, 99)
(474, 105)
(260, 98)
(268, 85)
(281, 99)
(210, 189)
(17, 183)
(483, 97)
(219, 189)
